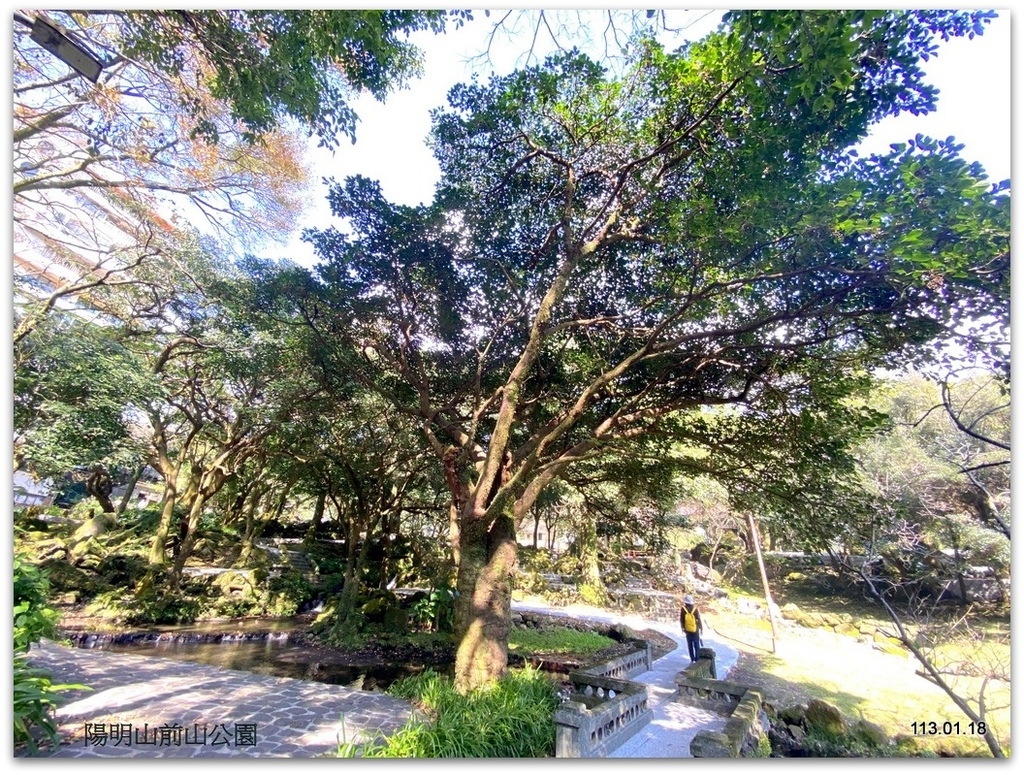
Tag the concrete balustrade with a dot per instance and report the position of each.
(604, 709)
(625, 666)
(608, 712)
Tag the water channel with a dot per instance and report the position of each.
(260, 646)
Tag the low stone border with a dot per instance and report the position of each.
(746, 725)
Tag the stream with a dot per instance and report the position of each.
(261, 646)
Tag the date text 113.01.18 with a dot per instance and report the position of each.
(948, 728)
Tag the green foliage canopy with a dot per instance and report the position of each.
(602, 252)
(268, 64)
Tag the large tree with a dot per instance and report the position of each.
(605, 252)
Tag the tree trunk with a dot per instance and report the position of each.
(318, 517)
(253, 528)
(484, 603)
(755, 540)
(592, 587)
(158, 549)
(208, 486)
(99, 485)
(386, 548)
(714, 551)
(959, 572)
(191, 526)
(344, 621)
(130, 490)
(454, 538)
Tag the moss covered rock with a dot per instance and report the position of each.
(870, 733)
(824, 719)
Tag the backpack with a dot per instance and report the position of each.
(689, 620)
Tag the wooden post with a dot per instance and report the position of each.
(755, 539)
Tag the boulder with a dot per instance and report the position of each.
(712, 745)
(847, 629)
(810, 619)
(890, 646)
(236, 584)
(870, 733)
(783, 743)
(95, 525)
(792, 716)
(832, 620)
(824, 719)
(87, 553)
(799, 735)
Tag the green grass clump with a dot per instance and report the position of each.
(556, 640)
(852, 745)
(510, 718)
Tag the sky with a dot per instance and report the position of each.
(974, 105)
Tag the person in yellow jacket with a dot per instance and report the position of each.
(689, 620)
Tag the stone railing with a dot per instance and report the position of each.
(625, 666)
(600, 715)
(746, 723)
(603, 708)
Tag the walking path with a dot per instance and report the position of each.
(673, 726)
(156, 707)
(149, 707)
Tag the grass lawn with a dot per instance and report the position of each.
(865, 682)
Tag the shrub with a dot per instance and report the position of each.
(510, 718)
(150, 607)
(122, 570)
(33, 617)
(859, 740)
(35, 696)
(434, 611)
(287, 593)
(35, 700)
(593, 594)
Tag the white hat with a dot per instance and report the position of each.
(688, 599)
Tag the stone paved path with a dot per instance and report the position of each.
(673, 725)
(156, 707)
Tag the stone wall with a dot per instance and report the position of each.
(747, 722)
(649, 603)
